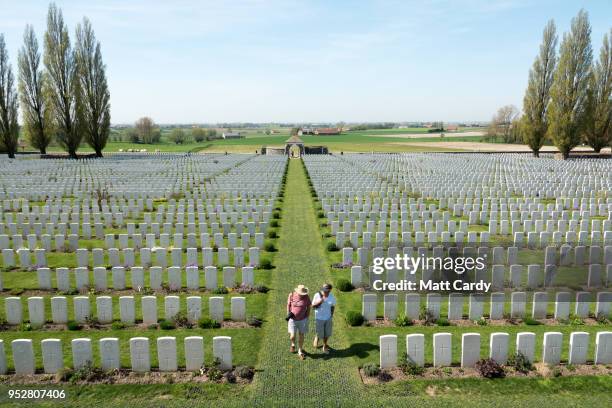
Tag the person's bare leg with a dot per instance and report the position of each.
(325, 346)
(292, 338)
(301, 343)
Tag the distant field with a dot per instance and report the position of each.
(353, 141)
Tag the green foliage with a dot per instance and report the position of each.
(272, 234)
(427, 316)
(531, 322)
(332, 247)
(520, 363)
(274, 224)
(442, 321)
(198, 135)
(220, 290)
(344, 285)
(167, 325)
(208, 323)
(118, 325)
(556, 372)
(354, 318)
(403, 321)
(489, 368)
(178, 136)
(567, 110)
(408, 366)
(73, 326)
(371, 369)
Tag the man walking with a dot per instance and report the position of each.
(324, 304)
(298, 311)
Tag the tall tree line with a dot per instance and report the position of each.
(568, 97)
(65, 98)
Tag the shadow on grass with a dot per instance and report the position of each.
(359, 350)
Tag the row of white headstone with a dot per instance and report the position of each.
(24, 361)
(498, 348)
(518, 303)
(157, 256)
(36, 306)
(175, 276)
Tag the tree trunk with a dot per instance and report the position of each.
(43, 150)
(536, 153)
(566, 155)
(99, 152)
(597, 149)
(11, 154)
(72, 153)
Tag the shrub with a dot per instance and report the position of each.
(344, 285)
(331, 247)
(72, 325)
(16, 291)
(26, 327)
(180, 320)
(442, 322)
(270, 247)
(230, 377)
(266, 263)
(427, 316)
(276, 215)
(489, 368)
(403, 321)
(320, 214)
(531, 322)
(214, 374)
(245, 372)
(371, 369)
(602, 318)
(167, 325)
(482, 322)
(87, 373)
(274, 224)
(556, 372)
(272, 234)
(354, 318)
(254, 321)
(408, 367)
(520, 363)
(207, 323)
(118, 325)
(221, 290)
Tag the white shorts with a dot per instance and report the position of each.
(300, 326)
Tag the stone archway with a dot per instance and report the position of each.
(294, 147)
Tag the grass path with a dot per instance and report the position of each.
(284, 379)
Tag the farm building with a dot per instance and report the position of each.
(232, 135)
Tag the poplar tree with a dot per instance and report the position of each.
(95, 111)
(537, 95)
(567, 110)
(9, 104)
(63, 85)
(599, 103)
(34, 108)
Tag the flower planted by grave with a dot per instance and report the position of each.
(244, 372)
(181, 320)
(88, 373)
(531, 322)
(482, 322)
(276, 215)
(272, 234)
(371, 369)
(118, 325)
(332, 247)
(167, 325)
(230, 377)
(442, 321)
(320, 214)
(556, 372)
(270, 247)
(208, 323)
(602, 318)
(74, 326)
(489, 368)
(16, 291)
(520, 363)
(153, 326)
(402, 321)
(575, 320)
(274, 224)
(427, 316)
(570, 367)
(93, 322)
(344, 285)
(221, 290)
(408, 367)
(25, 327)
(354, 318)
(254, 321)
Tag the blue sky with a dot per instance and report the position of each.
(286, 60)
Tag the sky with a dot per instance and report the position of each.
(312, 61)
